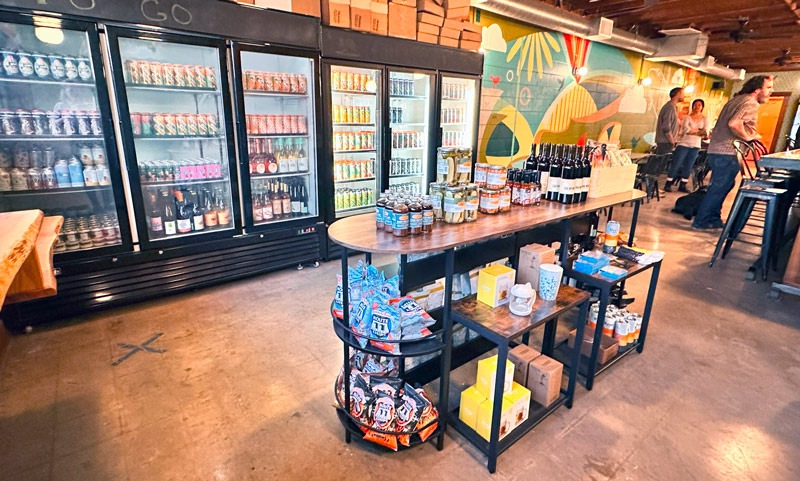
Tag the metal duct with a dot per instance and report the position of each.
(539, 13)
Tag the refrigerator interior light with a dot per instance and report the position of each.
(49, 35)
(371, 86)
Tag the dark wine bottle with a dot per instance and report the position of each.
(567, 176)
(554, 182)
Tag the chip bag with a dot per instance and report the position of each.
(383, 418)
(408, 411)
(411, 312)
(389, 386)
(385, 328)
(391, 286)
(415, 331)
(361, 399)
(428, 417)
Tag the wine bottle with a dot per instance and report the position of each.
(303, 199)
(183, 217)
(258, 213)
(277, 204)
(554, 182)
(223, 209)
(543, 165)
(210, 217)
(294, 195)
(155, 218)
(197, 213)
(286, 201)
(587, 174)
(168, 215)
(567, 177)
(530, 163)
(302, 157)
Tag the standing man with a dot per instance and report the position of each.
(736, 121)
(667, 124)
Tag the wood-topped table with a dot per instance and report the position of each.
(789, 160)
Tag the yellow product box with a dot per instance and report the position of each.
(487, 372)
(494, 283)
(471, 400)
(520, 399)
(485, 419)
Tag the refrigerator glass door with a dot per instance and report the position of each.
(52, 144)
(458, 111)
(279, 110)
(178, 123)
(356, 116)
(409, 114)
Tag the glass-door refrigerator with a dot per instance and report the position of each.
(57, 148)
(277, 97)
(458, 111)
(354, 104)
(176, 122)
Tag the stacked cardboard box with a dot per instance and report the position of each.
(336, 13)
(401, 19)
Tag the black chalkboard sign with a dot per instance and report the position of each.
(213, 17)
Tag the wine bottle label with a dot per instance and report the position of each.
(170, 228)
(554, 184)
(302, 164)
(156, 225)
(197, 222)
(295, 207)
(184, 225)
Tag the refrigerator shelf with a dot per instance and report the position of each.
(408, 124)
(350, 181)
(180, 137)
(352, 151)
(362, 124)
(283, 219)
(407, 148)
(48, 138)
(183, 182)
(455, 99)
(275, 176)
(216, 228)
(353, 92)
(354, 209)
(37, 81)
(409, 97)
(453, 124)
(400, 176)
(276, 136)
(161, 88)
(65, 190)
(261, 93)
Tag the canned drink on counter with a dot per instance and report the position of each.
(10, 63)
(608, 325)
(25, 122)
(19, 179)
(84, 69)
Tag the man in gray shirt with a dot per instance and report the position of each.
(667, 123)
(736, 121)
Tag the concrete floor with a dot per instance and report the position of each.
(244, 389)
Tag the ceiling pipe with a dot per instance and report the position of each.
(548, 16)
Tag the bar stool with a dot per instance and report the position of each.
(746, 198)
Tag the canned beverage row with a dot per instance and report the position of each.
(453, 116)
(405, 188)
(407, 140)
(51, 122)
(401, 87)
(88, 231)
(350, 81)
(26, 156)
(404, 166)
(345, 141)
(155, 171)
(454, 139)
(46, 66)
(347, 169)
(396, 114)
(257, 124)
(145, 124)
(454, 91)
(64, 174)
(351, 198)
(142, 72)
(275, 82)
(351, 114)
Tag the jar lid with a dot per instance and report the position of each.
(487, 190)
(455, 188)
(497, 167)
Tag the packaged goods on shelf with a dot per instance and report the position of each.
(487, 370)
(608, 346)
(494, 283)
(622, 325)
(484, 421)
(520, 399)
(522, 356)
(544, 379)
(531, 257)
(453, 165)
(471, 400)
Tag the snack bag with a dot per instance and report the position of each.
(408, 411)
(338, 307)
(411, 312)
(384, 439)
(384, 385)
(360, 321)
(361, 399)
(415, 331)
(383, 418)
(391, 286)
(429, 417)
(385, 326)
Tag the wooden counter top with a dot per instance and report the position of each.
(781, 160)
(17, 240)
(359, 232)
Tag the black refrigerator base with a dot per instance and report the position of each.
(116, 281)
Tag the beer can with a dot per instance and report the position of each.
(98, 154)
(271, 127)
(191, 124)
(103, 174)
(25, 122)
(25, 63)
(286, 84)
(335, 80)
(19, 179)
(200, 76)
(10, 63)
(364, 80)
(345, 141)
(5, 180)
(39, 122)
(62, 173)
(132, 71)
(212, 124)
(169, 124)
(34, 179)
(302, 127)
(366, 142)
(180, 75)
(22, 158)
(159, 124)
(75, 172)
(145, 74)
(293, 86)
(68, 122)
(82, 121)
(286, 124)
(6, 158)
(180, 124)
(202, 124)
(295, 127)
(54, 124)
(71, 68)
(269, 82)
(211, 77)
(189, 76)
(248, 81)
(84, 69)
(49, 156)
(248, 124)
(356, 142)
(57, 67)
(261, 124)
(302, 83)
(169, 74)
(350, 81)
(95, 123)
(337, 142)
(147, 124)
(89, 176)
(49, 178)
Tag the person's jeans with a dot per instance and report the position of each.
(663, 148)
(682, 162)
(724, 169)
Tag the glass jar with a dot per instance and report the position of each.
(505, 199)
(437, 195)
(496, 177)
(489, 201)
(481, 170)
(454, 204)
(471, 202)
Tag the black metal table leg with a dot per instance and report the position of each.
(526, 338)
(648, 306)
(401, 273)
(634, 219)
(497, 407)
(566, 225)
(368, 258)
(576, 354)
(447, 340)
(346, 317)
(598, 332)
(549, 337)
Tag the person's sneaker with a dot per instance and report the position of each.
(707, 227)
(682, 187)
(717, 224)
(668, 186)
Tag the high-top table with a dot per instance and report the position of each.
(791, 278)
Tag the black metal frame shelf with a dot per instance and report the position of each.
(264, 93)
(561, 351)
(353, 429)
(352, 92)
(38, 81)
(46, 138)
(60, 190)
(183, 182)
(407, 348)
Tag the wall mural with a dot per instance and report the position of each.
(545, 86)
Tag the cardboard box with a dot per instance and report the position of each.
(485, 419)
(380, 18)
(469, 45)
(471, 36)
(494, 283)
(427, 38)
(450, 33)
(471, 27)
(431, 7)
(336, 14)
(487, 370)
(520, 399)
(402, 21)
(361, 15)
(427, 28)
(544, 379)
(407, 3)
(611, 180)
(306, 7)
(246, 2)
(522, 356)
(285, 5)
(609, 347)
(448, 42)
(471, 400)
(457, 13)
(530, 258)
(431, 19)
(456, 3)
(454, 24)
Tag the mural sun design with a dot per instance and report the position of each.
(533, 47)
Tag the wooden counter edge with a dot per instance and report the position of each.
(35, 278)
